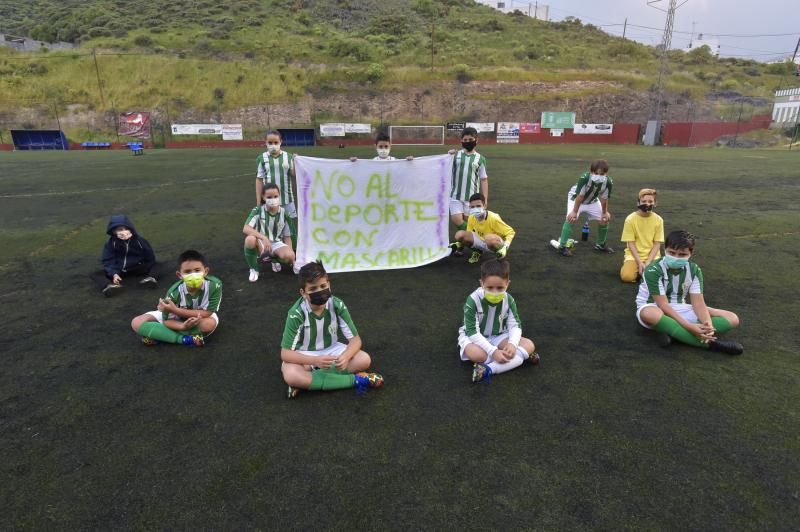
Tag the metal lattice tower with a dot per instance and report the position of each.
(666, 41)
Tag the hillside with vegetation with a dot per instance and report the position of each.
(302, 61)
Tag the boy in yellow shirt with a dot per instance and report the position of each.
(485, 231)
(643, 234)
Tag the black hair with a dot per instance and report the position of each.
(383, 136)
(496, 267)
(469, 131)
(270, 186)
(274, 132)
(191, 254)
(310, 273)
(599, 165)
(477, 196)
(680, 240)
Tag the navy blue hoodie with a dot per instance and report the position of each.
(121, 256)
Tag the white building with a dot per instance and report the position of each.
(713, 44)
(786, 111)
(533, 9)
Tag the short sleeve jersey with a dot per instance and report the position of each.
(277, 170)
(379, 158)
(644, 231)
(489, 319)
(676, 285)
(208, 297)
(272, 225)
(591, 189)
(467, 171)
(305, 331)
(493, 224)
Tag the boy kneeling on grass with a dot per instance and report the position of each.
(188, 312)
(491, 336)
(485, 231)
(671, 301)
(312, 356)
(268, 233)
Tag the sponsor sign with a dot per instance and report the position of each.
(232, 132)
(593, 129)
(456, 126)
(508, 132)
(530, 127)
(358, 128)
(482, 127)
(134, 124)
(559, 120)
(197, 129)
(556, 132)
(331, 130)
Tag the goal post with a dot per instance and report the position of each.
(417, 135)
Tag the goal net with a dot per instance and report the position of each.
(416, 135)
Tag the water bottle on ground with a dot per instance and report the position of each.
(585, 231)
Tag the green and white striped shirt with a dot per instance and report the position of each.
(676, 285)
(483, 319)
(468, 170)
(591, 190)
(209, 297)
(272, 225)
(305, 331)
(277, 170)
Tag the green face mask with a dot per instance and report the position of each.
(494, 297)
(193, 281)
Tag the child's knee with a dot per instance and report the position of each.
(734, 319)
(460, 235)
(250, 241)
(628, 274)
(208, 325)
(139, 320)
(527, 345)
(493, 242)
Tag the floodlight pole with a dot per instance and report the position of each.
(666, 41)
(99, 83)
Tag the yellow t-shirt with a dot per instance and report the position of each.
(643, 231)
(493, 224)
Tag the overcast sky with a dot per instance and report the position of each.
(738, 17)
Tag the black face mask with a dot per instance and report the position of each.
(644, 207)
(470, 145)
(320, 298)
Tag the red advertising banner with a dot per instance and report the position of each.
(134, 125)
(530, 127)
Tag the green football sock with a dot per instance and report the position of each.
(721, 324)
(463, 226)
(674, 330)
(566, 231)
(602, 234)
(159, 332)
(251, 256)
(323, 379)
(293, 230)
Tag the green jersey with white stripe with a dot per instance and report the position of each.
(592, 188)
(490, 319)
(266, 223)
(209, 297)
(676, 285)
(305, 331)
(468, 170)
(278, 170)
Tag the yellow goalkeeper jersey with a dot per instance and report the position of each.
(493, 224)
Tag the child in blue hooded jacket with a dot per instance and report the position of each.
(125, 254)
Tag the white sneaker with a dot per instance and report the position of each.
(296, 269)
(276, 267)
(253, 275)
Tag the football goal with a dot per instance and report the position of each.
(417, 135)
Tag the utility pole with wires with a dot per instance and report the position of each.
(666, 41)
(625, 28)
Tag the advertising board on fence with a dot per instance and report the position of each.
(197, 129)
(558, 120)
(508, 132)
(556, 132)
(593, 129)
(482, 127)
(232, 132)
(372, 215)
(530, 127)
(358, 128)
(456, 126)
(331, 130)
(134, 125)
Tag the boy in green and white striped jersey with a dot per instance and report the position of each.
(468, 177)
(670, 300)
(188, 313)
(277, 166)
(590, 195)
(491, 336)
(268, 234)
(312, 356)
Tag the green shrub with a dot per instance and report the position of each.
(143, 40)
(375, 73)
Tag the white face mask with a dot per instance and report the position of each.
(273, 148)
(477, 212)
(383, 152)
(272, 202)
(597, 178)
(123, 234)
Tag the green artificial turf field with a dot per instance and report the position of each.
(611, 431)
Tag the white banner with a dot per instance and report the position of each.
(358, 128)
(482, 127)
(508, 132)
(331, 130)
(372, 215)
(197, 129)
(232, 132)
(593, 129)
(556, 132)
